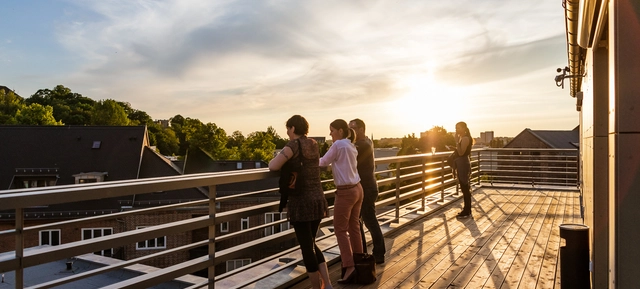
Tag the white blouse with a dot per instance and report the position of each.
(342, 156)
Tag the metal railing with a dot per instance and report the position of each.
(409, 185)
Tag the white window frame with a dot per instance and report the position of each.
(224, 227)
(244, 221)
(102, 230)
(50, 237)
(155, 241)
(237, 263)
(269, 218)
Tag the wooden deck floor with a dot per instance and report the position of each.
(512, 242)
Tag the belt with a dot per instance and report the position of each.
(346, 187)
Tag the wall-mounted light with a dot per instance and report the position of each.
(560, 77)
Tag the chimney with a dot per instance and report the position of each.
(69, 265)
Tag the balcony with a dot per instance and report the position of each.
(520, 198)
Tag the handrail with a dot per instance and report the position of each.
(415, 182)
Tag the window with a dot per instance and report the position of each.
(25, 182)
(96, 144)
(272, 217)
(244, 223)
(224, 227)
(237, 263)
(155, 243)
(91, 177)
(91, 233)
(258, 165)
(50, 237)
(239, 165)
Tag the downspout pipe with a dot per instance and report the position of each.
(575, 53)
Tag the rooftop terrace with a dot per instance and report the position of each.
(521, 197)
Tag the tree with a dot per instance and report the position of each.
(235, 140)
(109, 112)
(277, 140)
(436, 137)
(69, 107)
(10, 104)
(166, 140)
(409, 145)
(136, 117)
(36, 114)
(258, 146)
(208, 137)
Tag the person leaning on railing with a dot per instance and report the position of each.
(366, 170)
(305, 211)
(346, 211)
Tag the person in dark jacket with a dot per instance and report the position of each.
(464, 141)
(366, 170)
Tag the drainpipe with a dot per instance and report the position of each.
(575, 53)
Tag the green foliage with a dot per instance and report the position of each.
(68, 107)
(235, 139)
(164, 139)
(409, 145)
(109, 112)
(436, 137)
(259, 145)
(10, 104)
(36, 114)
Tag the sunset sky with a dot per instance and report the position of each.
(403, 66)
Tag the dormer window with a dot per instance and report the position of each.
(92, 177)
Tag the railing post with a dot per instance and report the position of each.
(442, 180)
(20, 247)
(398, 191)
(424, 181)
(479, 166)
(211, 271)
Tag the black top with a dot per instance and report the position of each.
(366, 164)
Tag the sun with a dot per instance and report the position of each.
(423, 103)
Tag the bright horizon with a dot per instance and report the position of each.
(245, 65)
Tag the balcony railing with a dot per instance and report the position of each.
(411, 185)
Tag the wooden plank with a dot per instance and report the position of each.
(534, 266)
(487, 266)
(488, 260)
(523, 222)
(462, 264)
(445, 243)
(517, 269)
(512, 243)
(493, 235)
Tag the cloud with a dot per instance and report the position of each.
(219, 59)
(494, 62)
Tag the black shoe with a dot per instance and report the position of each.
(462, 215)
(380, 260)
(348, 280)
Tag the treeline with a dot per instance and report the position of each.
(61, 106)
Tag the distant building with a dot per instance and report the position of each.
(486, 137)
(552, 139)
(164, 123)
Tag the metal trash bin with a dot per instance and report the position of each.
(574, 257)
